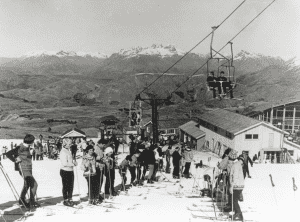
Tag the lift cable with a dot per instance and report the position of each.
(188, 78)
(193, 47)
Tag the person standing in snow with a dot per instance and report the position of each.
(156, 164)
(168, 159)
(237, 184)
(109, 158)
(176, 157)
(188, 157)
(23, 163)
(123, 170)
(67, 171)
(247, 159)
(99, 151)
(88, 166)
(231, 158)
(147, 158)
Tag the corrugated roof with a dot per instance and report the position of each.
(191, 129)
(229, 121)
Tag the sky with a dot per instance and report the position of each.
(107, 26)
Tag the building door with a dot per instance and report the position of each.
(271, 140)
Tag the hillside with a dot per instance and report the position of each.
(63, 79)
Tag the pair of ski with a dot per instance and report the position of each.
(220, 218)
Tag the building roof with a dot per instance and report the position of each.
(73, 133)
(233, 122)
(191, 129)
(268, 105)
(229, 121)
(169, 123)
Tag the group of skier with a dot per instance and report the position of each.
(100, 160)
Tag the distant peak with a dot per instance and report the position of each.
(155, 49)
(63, 53)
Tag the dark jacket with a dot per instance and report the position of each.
(147, 157)
(247, 159)
(132, 148)
(24, 154)
(224, 79)
(210, 80)
(176, 158)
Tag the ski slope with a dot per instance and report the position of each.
(158, 202)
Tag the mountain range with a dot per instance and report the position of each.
(48, 79)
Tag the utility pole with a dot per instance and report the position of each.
(154, 102)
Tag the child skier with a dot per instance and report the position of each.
(123, 170)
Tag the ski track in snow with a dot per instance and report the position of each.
(159, 201)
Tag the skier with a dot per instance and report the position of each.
(231, 158)
(133, 167)
(168, 158)
(88, 166)
(99, 151)
(236, 186)
(247, 159)
(225, 84)
(67, 171)
(156, 164)
(211, 83)
(109, 158)
(147, 158)
(188, 157)
(123, 170)
(176, 157)
(23, 163)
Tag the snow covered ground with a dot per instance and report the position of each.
(157, 202)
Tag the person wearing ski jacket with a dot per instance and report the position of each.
(109, 171)
(23, 163)
(123, 170)
(147, 157)
(231, 158)
(247, 159)
(67, 163)
(237, 183)
(88, 165)
(176, 158)
(168, 158)
(188, 158)
(157, 161)
(99, 154)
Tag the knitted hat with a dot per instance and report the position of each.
(233, 154)
(28, 139)
(108, 150)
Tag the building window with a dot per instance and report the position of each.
(170, 131)
(148, 130)
(251, 136)
(248, 136)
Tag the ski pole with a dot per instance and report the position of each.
(11, 185)
(110, 191)
(100, 182)
(212, 195)
(273, 185)
(76, 172)
(8, 180)
(294, 187)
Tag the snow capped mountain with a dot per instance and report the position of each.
(155, 49)
(65, 54)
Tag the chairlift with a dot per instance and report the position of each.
(224, 64)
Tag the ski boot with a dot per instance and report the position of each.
(71, 202)
(150, 181)
(34, 204)
(237, 217)
(67, 203)
(23, 203)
